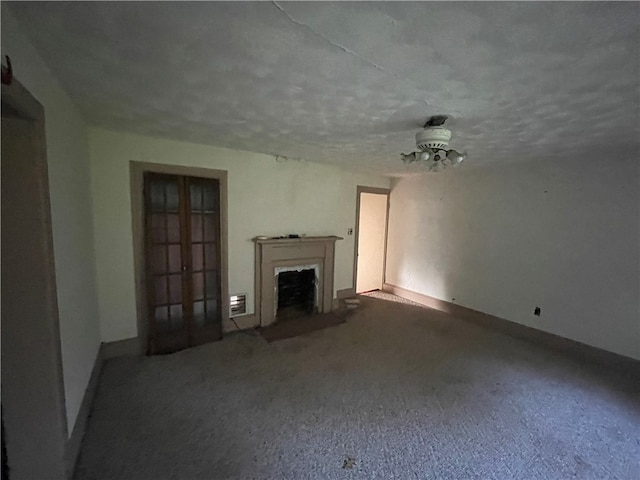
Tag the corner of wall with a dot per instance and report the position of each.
(71, 212)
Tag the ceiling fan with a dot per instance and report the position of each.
(432, 143)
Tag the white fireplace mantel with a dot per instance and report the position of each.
(272, 253)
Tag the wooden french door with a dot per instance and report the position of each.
(183, 278)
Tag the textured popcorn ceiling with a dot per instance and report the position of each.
(349, 83)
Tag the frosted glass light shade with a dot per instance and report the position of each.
(424, 156)
(410, 158)
(434, 160)
(456, 157)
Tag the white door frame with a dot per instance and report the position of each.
(379, 191)
(33, 400)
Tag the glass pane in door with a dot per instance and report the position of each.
(198, 286)
(196, 196)
(175, 259)
(197, 258)
(213, 312)
(172, 192)
(161, 289)
(157, 196)
(158, 228)
(196, 227)
(161, 319)
(210, 198)
(159, 259)
(175, 289)
(210, 227)
(212, 286)
(173, 227)
(176, 318)
(198, 313)
(211, 256)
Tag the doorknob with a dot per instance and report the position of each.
(184, 268)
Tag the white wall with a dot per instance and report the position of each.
(560, 235)
(265, 197)
(69, 186)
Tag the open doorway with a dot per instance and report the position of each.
(372, 210)
(33, 404)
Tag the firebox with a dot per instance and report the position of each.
(296, 293)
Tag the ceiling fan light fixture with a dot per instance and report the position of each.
(408, 158)
(424, 156)
(435, 167)
(432, 143)
(433, 137)
(456, 157)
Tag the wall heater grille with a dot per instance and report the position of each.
(238, 305)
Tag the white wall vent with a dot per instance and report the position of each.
(238, 305)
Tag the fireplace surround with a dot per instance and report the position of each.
(275, 255)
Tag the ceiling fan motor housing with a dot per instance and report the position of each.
(433, 137)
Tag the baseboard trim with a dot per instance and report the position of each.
(126, 347)
(428, 301)
(133, 346)
(122, 348)
(72, 449)
(576, 349)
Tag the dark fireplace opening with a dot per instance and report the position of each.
(296, 293)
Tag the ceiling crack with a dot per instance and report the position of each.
(337, 45)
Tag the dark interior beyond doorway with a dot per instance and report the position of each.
(296, 293)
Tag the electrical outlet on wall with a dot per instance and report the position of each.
(536, 311)
(350, 231)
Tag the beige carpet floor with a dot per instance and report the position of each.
(396, 392)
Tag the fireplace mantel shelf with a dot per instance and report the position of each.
(330, 238)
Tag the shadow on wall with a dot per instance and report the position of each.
(504, 240)
(413, 237)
